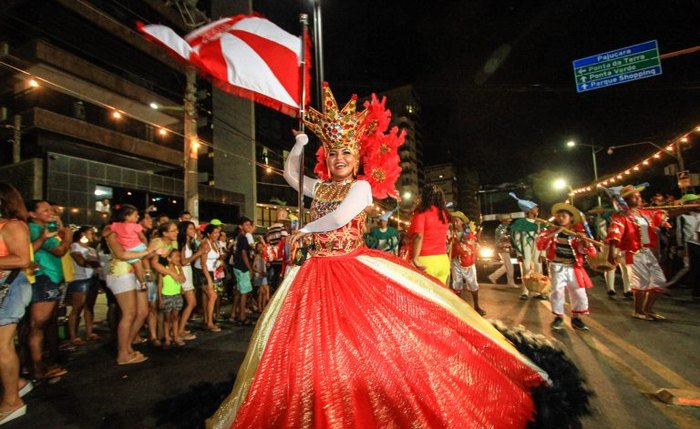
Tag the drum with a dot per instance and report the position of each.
(600, 261)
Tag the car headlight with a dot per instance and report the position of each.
(486, 252)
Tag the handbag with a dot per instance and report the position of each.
(5, 285)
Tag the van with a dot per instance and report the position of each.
(488, 260)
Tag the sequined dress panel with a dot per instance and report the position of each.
(345, 239)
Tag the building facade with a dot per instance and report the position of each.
(404, 104)
(78, 113)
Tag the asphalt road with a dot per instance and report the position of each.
(624, 360)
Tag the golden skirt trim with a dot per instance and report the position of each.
(226, 414)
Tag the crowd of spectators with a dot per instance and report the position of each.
(163, 281)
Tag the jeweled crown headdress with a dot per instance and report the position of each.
(337, 128)
(366, 133)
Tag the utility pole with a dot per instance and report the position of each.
(17, 139)
(191, 149)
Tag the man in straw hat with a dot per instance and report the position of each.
(634, 232)
(565, 252)
(523, 232)
(463, 257)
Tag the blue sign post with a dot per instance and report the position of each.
(619, 66)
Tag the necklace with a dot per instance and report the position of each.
(345, 181)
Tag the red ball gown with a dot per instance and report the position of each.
(357, 338)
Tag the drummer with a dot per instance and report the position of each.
(565, 249)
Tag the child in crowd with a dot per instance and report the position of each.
(463, 257)
(130, 235)
(565, 249)
(260, 269)
(170, 297)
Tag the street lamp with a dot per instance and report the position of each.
(594, 150)
(560, 184)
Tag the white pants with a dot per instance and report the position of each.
(464, 275)
(531, 261)
(646, 274)
(624, 270)
(506, 268)
(563, 277)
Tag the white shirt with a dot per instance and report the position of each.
(103, 208)
(643, 229)
(89, 254)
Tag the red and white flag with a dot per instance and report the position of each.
(245, 55)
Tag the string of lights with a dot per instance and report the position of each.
(635, 169)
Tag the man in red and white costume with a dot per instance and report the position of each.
(634, 232)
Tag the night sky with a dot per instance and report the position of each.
(496, 81)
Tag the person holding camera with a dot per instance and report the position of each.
(50, 241)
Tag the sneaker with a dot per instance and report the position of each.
(523, 297)
(611, 294)
(558, 323)
(629, 295)
(577, 323)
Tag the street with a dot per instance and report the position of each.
(624, 360)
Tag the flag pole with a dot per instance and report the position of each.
(304, 19)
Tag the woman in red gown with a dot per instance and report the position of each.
(357, 338)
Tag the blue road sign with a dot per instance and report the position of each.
(619, 66)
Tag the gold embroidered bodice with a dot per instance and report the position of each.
(345, 239)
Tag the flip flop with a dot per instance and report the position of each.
(28, 387)
(94, 337)
(76, 342)
(214, 329)
(137, 358)
(55, 372)
(656, 316)
(8, 416)
(642, 316)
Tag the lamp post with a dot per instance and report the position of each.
(318, 48)
(191, 148)
(594, 150)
